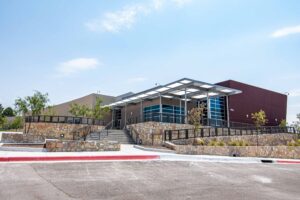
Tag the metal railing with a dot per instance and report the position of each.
(170, 135)
(106, 128)
(64, 119)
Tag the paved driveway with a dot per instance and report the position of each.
(149, 180)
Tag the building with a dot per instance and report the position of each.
(253, 99)
(228, 103)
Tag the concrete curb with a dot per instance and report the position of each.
(153, 149)
(287, 161)
(79, 158)
(222, 159)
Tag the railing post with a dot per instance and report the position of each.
(229, 131)
(187, 134)
(216, 131)
(170, 135)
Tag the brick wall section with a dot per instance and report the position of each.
(252, 140)
(54, 130)
(151, 133)
(248, 151)
(77, 146)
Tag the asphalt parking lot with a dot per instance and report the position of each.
(148, 180)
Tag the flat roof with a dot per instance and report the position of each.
(192, 88)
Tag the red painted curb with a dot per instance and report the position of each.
(77, 158)
(288, 162)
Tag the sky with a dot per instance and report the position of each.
(71, 48)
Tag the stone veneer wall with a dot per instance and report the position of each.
(21, 138)
(248, 151)
(54, 130)
(151, 133)
(76, 146)
(252, 140)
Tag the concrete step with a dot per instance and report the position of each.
(114, 135)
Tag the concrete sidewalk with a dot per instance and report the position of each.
(128, 152)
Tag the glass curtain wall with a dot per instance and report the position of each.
(170, 114)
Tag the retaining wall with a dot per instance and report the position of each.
(252, 140)
(76, 146)
(60, 130)
(21, 138)
(151, 133)
(248, 151)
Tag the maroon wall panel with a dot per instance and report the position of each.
(252, 99)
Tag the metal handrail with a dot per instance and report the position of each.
(106, 128)
(64, 119)
(216, 132)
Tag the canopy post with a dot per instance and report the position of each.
(160, 108)
(125, 118)
(180, 113)
(141, 114)
(227, 111)
(185, 107)
(208, 109)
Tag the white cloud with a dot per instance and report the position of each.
(136, 79)
(294, 93)
(116, 21)
(286, 31)
(180, 3)
(158, 4)
(126, 17)
(77, 65)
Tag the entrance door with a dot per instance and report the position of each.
(117, 119)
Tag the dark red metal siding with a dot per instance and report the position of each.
(252, 99)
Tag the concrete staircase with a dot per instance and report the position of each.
(113, 135)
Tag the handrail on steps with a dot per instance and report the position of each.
(107, 127)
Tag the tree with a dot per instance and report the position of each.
(296, 124)
(4, 123)
(21, 106)
(283, 123)
(195, 115)
(99, 112)
(1, 117)
(34, 104)
(17, 123)
(1, 109)
(49, 111)
(259, 118)
(37, 103)
(8, 112)
(80, 110)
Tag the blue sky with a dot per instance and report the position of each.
(73, 48)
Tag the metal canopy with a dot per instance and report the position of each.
(178, 89)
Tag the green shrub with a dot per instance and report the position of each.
(294, 143)
(199, 141)
(221, 143)
(240, 143)
(214, 142)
